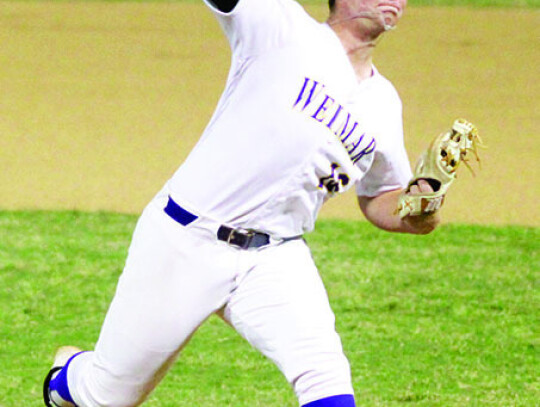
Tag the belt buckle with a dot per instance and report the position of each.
(246, 233)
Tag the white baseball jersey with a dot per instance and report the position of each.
(291, 108)
(292, 113)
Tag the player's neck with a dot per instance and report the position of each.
(359, 49)
(362, 63)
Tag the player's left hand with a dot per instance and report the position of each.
(437, 167)
(428, 220)
(421, 187)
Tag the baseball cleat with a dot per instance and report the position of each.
(63, 354)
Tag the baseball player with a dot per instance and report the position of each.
(304, 116)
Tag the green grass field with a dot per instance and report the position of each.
(449, 319)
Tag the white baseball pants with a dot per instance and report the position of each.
(177, 276)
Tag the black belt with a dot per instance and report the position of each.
(241, 238)
(244, 239)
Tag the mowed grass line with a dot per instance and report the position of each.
(449, 319)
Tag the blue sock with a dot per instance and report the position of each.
(59, 383)
(343, 400)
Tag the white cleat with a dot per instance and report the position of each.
(63, 354)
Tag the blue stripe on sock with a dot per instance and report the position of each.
(343, 400)
(59, 383)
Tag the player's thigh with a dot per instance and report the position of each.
(166, 291)
(173, 279)
(281, 307)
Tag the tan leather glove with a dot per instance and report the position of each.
(438, 165)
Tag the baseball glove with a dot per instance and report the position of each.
(438, 165)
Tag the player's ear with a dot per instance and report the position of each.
(331, 5)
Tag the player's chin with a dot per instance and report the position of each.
(390, 19)
(390, 22)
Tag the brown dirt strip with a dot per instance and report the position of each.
(101, 102)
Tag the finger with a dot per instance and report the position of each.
(414, 190)
(424, 186)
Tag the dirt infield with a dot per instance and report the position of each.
(100, 102)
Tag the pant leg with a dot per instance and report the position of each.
(282, 309)
(174, 278)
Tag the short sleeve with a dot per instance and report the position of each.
(391, 168)
(389, 171)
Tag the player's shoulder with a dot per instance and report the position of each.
(294, 12)
(384, 84)
(385, 89)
